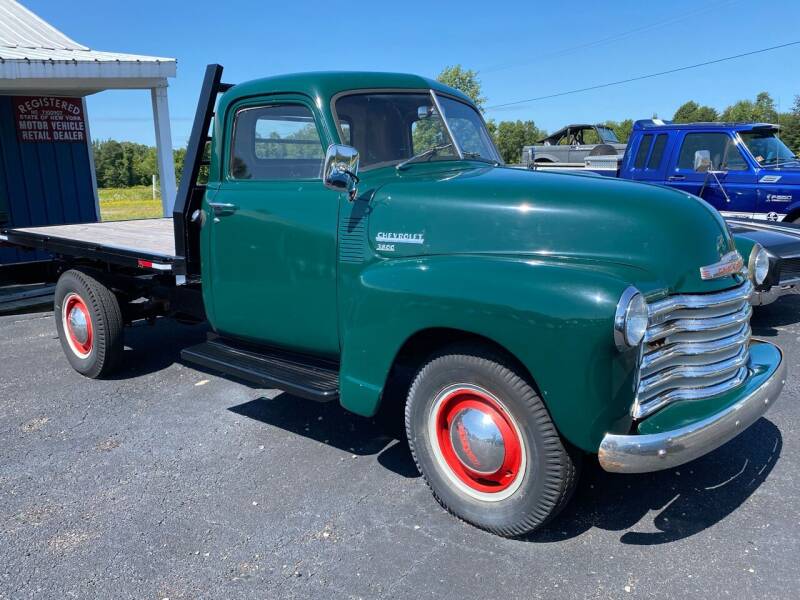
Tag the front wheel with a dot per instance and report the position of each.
(89, 323)
(485, 444)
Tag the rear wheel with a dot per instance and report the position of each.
(484, 442)
(89, 324)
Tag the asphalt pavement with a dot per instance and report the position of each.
(169, 482)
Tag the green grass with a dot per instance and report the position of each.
(119, 204)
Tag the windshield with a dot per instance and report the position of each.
(609, 137)
(767, 148)
(391, 127)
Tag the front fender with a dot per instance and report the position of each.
(744, 245)
(555, 317)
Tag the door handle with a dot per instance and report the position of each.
(223, 209)
(676, 178)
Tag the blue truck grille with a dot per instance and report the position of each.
(696, 346)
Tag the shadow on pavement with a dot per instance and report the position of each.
(152, 348)
(686, 500)
(784, 311)
(331, 424)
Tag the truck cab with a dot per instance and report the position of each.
(742, 170)
(359, 240)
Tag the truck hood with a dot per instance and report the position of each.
(779, 239)
(658, 237)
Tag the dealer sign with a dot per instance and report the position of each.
(49, 119)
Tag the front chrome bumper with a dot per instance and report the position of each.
(764, 297)
(654, 452)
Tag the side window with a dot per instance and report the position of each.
(641, 152)
(658, 151)
(590, 137)
(725, 154)
(279, 141)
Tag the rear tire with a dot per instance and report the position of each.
(485, 444)
(89, 324)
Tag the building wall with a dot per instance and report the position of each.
(41, 183)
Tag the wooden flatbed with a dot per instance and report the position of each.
(142, 243)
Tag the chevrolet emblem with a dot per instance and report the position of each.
(729, 264)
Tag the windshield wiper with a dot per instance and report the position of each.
(429, 153)
(479, 158)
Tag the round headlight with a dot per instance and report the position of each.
(631, 319)
(758, 265)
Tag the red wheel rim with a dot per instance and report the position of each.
(77, 325)
(492, 472)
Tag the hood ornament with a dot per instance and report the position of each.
(729, 264)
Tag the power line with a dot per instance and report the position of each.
(612, 38)
(641, 77)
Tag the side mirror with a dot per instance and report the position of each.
(341, 169)
(529, 156)
(702, 161)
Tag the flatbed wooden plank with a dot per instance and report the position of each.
(151, 237)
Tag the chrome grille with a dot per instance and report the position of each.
(696, 346)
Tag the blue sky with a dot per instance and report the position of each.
(521, 49)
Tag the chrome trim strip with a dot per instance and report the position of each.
(678, 394)
(654, 452)
(447, 125)
(751, 263)
(671, 303)
(658, 357)
(620, 316)
(694, 372)
(698, 324)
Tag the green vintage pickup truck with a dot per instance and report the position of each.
(359, 240)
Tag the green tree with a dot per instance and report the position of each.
(790, 126)
(511, 136)
(749, 111)
(692, 112)
(464, 80)
(622, 129)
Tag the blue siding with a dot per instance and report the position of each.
(41, 183)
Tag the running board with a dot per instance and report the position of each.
(304, 376)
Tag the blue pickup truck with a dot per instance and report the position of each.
(743, 170)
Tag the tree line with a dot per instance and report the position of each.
(125, 164)
(511, 136)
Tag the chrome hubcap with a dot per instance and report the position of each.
(78, 325)
(477, 441)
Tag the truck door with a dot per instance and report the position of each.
(581, 143)
(733, 190)
(270, 276)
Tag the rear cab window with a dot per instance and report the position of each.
(657, 153)
(275, 142)
(642, 151)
